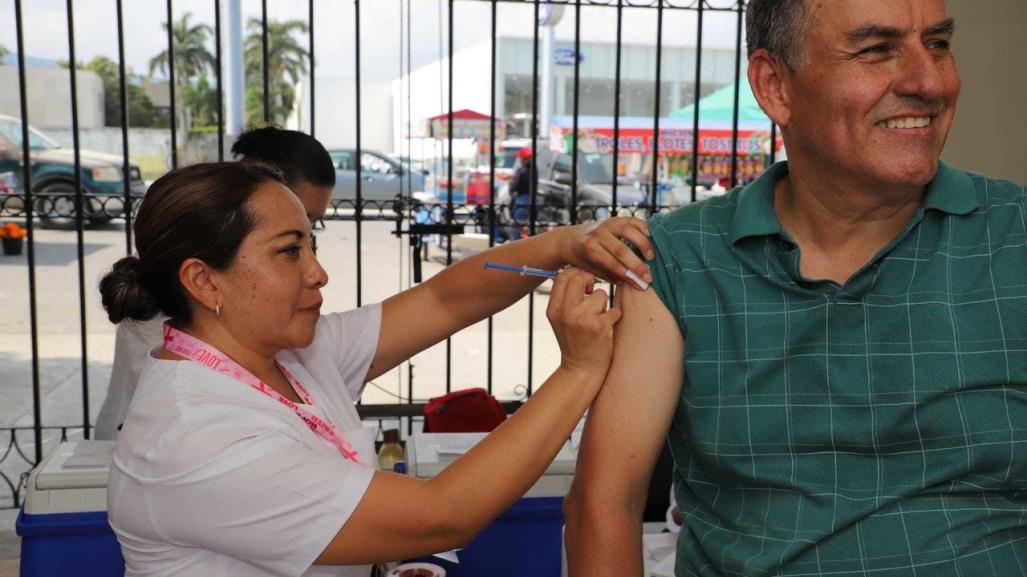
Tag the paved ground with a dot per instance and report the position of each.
(385, 265)
(9, 548)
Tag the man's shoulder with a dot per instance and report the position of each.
(712, 216)
(996, 190)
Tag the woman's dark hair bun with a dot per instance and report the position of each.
(123, 293)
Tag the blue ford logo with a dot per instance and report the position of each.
(565, 57)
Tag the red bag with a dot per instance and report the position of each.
(466, 411)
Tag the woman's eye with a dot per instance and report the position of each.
(292, 250)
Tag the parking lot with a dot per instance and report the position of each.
(386, 265)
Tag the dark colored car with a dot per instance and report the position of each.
(595, 187)
(53, 177)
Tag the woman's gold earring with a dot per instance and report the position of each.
(217, 310)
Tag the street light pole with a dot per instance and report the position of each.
(549, 16)
(236, 90)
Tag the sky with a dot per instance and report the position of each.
(96, 31)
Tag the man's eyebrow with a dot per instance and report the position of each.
(864, 33)
(945, 27)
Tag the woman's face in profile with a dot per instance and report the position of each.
(272, 291)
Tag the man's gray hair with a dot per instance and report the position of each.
(780, 27)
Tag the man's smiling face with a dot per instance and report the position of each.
(876, 94)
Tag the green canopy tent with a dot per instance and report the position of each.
(719, 106)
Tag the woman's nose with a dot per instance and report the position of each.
(316, 275)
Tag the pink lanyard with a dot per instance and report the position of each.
(192, 348)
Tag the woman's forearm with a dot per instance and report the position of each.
(495, 473)
(474, 293)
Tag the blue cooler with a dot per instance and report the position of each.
(526, 540)
(63, 524)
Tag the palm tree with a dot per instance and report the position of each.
(287, 63)
(192, 60)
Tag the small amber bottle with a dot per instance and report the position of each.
(391, 451)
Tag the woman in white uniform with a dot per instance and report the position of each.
(242, 452)
(309, 173)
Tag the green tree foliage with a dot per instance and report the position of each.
(193, 60)
(3, 53)
(141, 112)
(287, 63)
(201, 99)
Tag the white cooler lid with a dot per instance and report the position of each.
(71, 479)
(429, 453)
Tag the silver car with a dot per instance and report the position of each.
(383, 177)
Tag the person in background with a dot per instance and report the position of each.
(520, 186)
(837, 352)
(242, 452)
(308, 172)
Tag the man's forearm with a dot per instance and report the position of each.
(603, 540)
(623, 436)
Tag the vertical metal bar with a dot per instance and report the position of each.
(410, 53)
(310, 18)
(171, 85)
(616, 106)
(656, 108)
(359, 213)
(695, 111)
(217, 72)
(26, 179)
(533, 176)
(534, 172)
(79, 216)
(126, 176)
(492, 176)
(616, 122)
(738, 80)
(574, 121)
(404, 174)
(264, 61)
(449, 176)
(414, 254)
(773, 143)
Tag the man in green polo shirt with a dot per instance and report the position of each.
(838, 350)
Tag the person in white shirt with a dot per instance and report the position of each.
(242, 452)
(309, 173)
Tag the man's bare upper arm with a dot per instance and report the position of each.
(627, 425)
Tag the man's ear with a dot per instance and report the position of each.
(196, 276)
(768, 77)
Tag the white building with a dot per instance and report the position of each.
(596, 82)
(48, 91)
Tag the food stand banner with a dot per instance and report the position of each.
(672, 141)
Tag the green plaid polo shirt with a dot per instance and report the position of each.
(876, 428)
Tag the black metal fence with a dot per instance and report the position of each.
(35, 204)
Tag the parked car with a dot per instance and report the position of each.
(594, 184)
(383, 177)
(53, 176)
